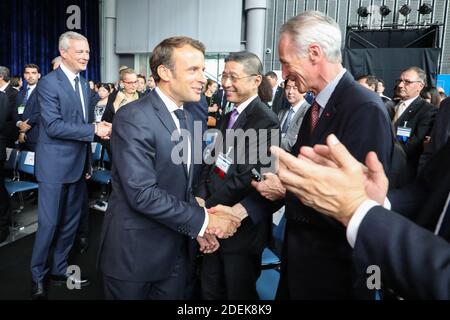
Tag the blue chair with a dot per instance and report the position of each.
(101, 175)
(19, 186)
(271, 254)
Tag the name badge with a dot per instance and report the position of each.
(21, 109)
(223, 162)
(403, 134)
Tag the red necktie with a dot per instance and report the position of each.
(315, 113)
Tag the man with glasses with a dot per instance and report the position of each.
(413, 118)
(232, 271)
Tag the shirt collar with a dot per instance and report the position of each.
(31, 88)
(169, 103)
(4, 87)
(409, 101)
(69, 74)
(298, 105)
(245, 104)
(324, 95)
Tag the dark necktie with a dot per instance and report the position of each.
(77, 92)
(27, 96)
(444, 229)
(315, 114)
(183, 125)
(233, 118)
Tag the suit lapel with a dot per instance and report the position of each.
(162, 112)
(330, 109)
(64, 82)
(190, 125)
(166, 119)
(86, 96)
(408, 113)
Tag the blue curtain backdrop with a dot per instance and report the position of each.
(30, 30)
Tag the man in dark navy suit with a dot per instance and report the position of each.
(412, 262)
(62, 161)
(152, 214)
(26, 113)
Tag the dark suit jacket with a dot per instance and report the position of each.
(151, 209)
(419, 116)
(439, 134)
(31, 112)
(423, 200)
(64, 134)
(279, 102)
(4, 112)
(11, 131)
(318, 255)
(413, 262)
(252, 235)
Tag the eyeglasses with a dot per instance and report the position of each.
(234, 78)
(130, 82)
(407, 82)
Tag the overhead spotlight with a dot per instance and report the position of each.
(384, 11)
(425, 9)
(363, 12)
(405, 10)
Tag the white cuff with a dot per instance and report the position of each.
(18, 123)
(205, 224)
(356, 219)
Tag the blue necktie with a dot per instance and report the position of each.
(27, 95)
(444, 229)
(287, 122)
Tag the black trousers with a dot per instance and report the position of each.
(230, 276)
(4, 200)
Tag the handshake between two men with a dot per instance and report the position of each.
(223, 223)
(103, 130)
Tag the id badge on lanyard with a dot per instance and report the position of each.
(403, 133)
(223, 163)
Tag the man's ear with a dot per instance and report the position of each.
(164, 73)
(315, 52)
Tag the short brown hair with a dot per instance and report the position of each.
(31, 66)
(162, 54)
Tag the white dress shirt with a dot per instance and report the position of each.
(171, 107)
(71, 76)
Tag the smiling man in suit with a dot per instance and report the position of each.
(62, 161)
(232, 271)
(152, 213)
(316, 261)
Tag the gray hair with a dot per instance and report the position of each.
(69, 35)
(315, 27)
(250, 61)
(421, 75)
(4, 73)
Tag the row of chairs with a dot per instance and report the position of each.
(267, 283)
